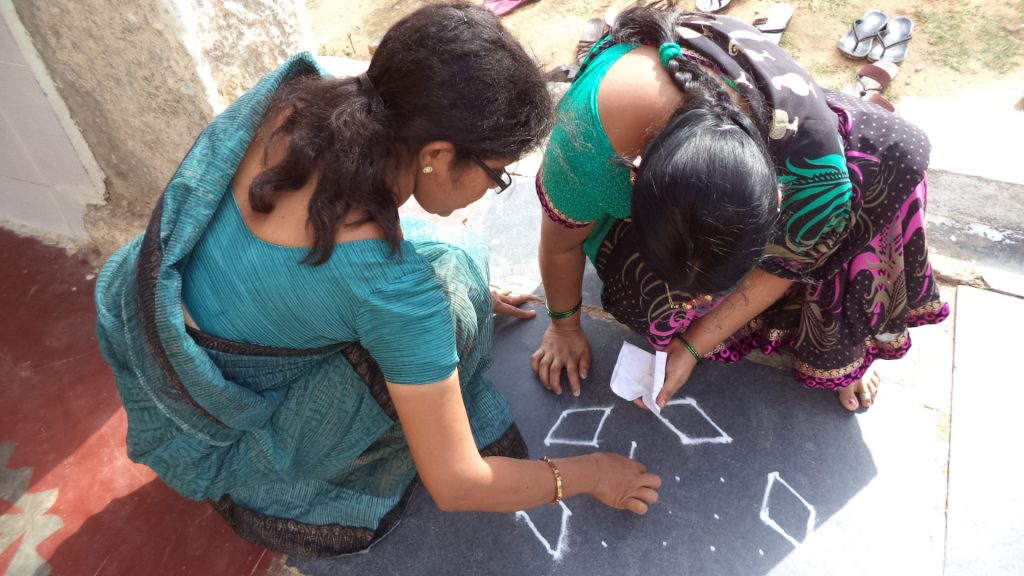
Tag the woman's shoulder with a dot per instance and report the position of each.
(370, 266)
(635, 99)
(598, 121)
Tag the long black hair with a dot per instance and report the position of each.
(448, 72)
(705, 200)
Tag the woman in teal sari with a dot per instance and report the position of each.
(285, 347)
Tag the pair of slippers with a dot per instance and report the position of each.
(502, 7)
(712, 6)
(775, 22)
(876, 37)
(872, 80)
(772, 25)
(593, 30)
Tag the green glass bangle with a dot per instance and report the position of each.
(691, 349)
(566, 314)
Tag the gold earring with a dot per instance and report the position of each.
(428, 169)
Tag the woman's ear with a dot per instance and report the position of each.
(436, 156)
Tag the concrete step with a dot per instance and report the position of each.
(975, 134)
(976, 230)
(985, 505)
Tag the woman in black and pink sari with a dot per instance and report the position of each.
(730, 204)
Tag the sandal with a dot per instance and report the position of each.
(775, 22)
(876, 98)
(892, 42)
(563, 73)
(857, 42)
(873, 77)
(502, 7)
(593, 31)
(712, 6)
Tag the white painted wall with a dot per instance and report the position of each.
(47, 173)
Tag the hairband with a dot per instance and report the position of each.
(376, 103)
(668, 51)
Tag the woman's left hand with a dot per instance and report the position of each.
(678, 368)
(507, 304)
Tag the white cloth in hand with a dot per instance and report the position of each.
(639, 374)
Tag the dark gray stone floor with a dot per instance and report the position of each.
(877, 481)
(709, 519)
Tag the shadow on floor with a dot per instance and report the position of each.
(57, 391)
(154, 530)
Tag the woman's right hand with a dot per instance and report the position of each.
(624, 483)
(563, 347)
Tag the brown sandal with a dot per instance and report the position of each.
(873, 77)
(880, 100)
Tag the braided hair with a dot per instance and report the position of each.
(705, 200)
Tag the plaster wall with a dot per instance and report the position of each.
(46, 172)
(142, 79)
(236, 42)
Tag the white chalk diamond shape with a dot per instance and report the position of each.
(686, 439)
(561, 546)
(773, 479)
(553, 439)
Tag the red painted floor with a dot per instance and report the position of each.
(70, 500)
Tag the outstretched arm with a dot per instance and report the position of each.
(434, 419)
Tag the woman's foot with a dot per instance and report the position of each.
(861, 392)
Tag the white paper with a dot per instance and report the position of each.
(639, 374)
(660, 358)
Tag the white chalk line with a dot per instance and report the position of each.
(765, 513)
(562, 546)
(722, 437)
(549, 440)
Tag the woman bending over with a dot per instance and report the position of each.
(730, 204)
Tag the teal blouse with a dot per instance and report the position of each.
(239, 287)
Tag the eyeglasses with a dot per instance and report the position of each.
(502, 179)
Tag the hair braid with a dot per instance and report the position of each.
(704, 91)
(655, 24)
(704, 202)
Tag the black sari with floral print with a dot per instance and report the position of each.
(851, 231)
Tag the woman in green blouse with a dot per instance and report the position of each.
(731, 204)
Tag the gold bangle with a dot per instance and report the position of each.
(558, 480)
